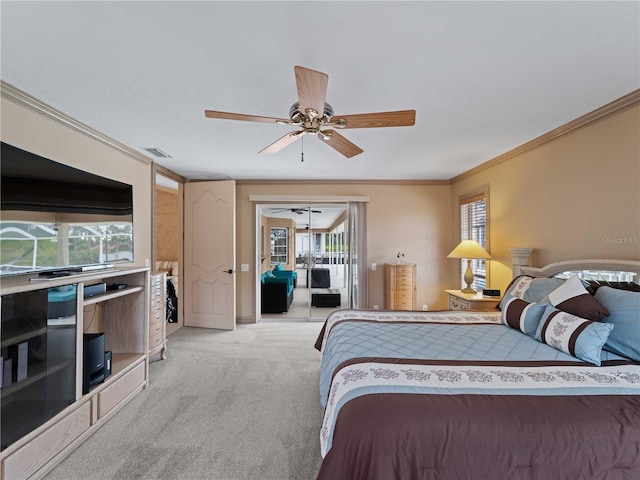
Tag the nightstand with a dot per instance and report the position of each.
(470, 301)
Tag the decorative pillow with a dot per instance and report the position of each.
(625, 315)
(277, 268)
(530, 289)
(572, 297)
(573, 335)
(522, 315)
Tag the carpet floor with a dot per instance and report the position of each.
(234, 405)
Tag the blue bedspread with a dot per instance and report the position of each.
(433, 341)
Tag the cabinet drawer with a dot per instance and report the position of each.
(155, 340)
(404, 304)
(118, 390)
(404, 285)
(458, 303)
(155, 328)
(28, 459)
(404, 274)
(404, 294)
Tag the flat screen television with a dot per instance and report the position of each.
(56, 218)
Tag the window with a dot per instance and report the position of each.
(474, 226)
(279, 245)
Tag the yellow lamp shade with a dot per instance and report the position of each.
(469, 249)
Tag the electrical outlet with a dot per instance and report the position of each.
(425, 307)
(375, 307)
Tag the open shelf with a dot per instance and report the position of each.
(110, 295)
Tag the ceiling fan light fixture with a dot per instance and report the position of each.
(314, 115)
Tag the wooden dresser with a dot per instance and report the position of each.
(400, 286)
(157, 314)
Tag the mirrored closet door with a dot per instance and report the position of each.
(308, 243)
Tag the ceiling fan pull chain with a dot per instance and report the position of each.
(302, 149)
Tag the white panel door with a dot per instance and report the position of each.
(210, 255)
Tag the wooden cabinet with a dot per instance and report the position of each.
(470, 301)
(157, 314)
(400, 285)
(123, 315)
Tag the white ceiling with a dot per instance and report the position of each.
(484, 77)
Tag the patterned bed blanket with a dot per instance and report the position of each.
(457, 395)
(446, 335)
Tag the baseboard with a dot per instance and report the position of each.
(245, 320)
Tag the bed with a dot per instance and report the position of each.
(541, 389)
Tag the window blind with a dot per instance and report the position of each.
(473, 226)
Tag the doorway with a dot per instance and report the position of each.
(167, 239)
(309, 240)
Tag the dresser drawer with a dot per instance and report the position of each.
(404, 272)
(404, 304)
(404, 294)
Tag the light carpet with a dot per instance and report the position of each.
(233, 405)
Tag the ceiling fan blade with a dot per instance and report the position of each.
(400, 118)
(282, 142)
(312, 89)
(339, 143)
(240, 116)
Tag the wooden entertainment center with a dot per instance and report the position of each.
(123, 315)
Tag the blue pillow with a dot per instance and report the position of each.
(576, 336)
(530, 289)
(277, 267)
(624, 308)
(522, 315)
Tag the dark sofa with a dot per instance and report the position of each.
(277, 293)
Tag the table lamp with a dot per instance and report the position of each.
(469, 249)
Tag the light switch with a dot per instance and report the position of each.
(244, 267)
(373, 267)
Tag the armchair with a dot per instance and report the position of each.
(279, 272)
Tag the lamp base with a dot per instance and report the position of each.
(468, 278)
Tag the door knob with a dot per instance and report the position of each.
(230, 271)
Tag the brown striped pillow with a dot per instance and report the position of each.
(570, 334)
(572, 297)
(522, 315)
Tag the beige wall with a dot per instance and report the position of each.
(411, 218)
(31, 131)
(575, 197)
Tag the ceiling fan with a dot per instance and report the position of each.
(299, 211)
(314, 116)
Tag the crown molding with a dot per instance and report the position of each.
(15, 95)
(342, 182)
(623, 103)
